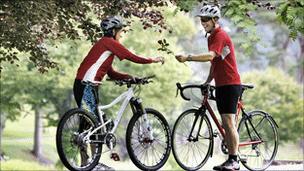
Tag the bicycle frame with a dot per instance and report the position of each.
(219, 126)
(126, 98)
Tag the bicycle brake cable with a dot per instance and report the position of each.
(137, 90)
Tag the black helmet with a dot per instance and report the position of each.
(114, 22)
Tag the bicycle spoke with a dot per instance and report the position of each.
(75, 156)
(162, 145)
(187, 154)
(194, 155)
(158, 154)
(200, 149)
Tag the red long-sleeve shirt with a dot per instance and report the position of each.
(99, 61)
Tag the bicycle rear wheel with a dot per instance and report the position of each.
(145, 153)
(259, 155)
(75, 153)
(191, 153)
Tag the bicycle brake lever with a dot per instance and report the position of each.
(178, 85)
(176, 92)
(162, 61)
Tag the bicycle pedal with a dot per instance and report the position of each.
(115, 157)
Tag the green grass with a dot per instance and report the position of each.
(22, 128)
(290, 151)
(17, 143)
(17, 164)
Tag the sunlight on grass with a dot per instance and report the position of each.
(17, 164)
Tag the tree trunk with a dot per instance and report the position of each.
(2, 125)
(300, 67)
(66, 104)
(282, 63)
(37, 149)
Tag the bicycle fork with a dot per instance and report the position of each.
(138, 109)
(199, 114)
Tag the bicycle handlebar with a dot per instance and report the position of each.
(129, 82)
(206, 89)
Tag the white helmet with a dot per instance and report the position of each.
(209, 11)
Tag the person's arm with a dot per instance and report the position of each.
(210, 76)
(117, 75)
(123, 53)
(205, 57)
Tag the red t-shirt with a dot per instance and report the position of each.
(223, 66)
(99, 61)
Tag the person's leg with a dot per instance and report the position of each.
(96, 97)
(78, 92)
(90, 99)
(226, 100)
(231, 136)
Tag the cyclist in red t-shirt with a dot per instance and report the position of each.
(98, 63)
(225, 74)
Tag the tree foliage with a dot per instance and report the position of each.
(25, 25)
(280, 96)
(291, 13)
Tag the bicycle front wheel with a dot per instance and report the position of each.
(192, 153)
(258, 140)
(147, 153)
(73, 151)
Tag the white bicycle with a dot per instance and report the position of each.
(148, 139)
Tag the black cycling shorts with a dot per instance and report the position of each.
(227, 98)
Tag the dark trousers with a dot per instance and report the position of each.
(79, 90)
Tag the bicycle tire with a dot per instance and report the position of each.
(179, 155)
(63, 154)
(269, 135)
(132, 140)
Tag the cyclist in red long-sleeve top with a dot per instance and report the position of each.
(99, 60)
(98, 63)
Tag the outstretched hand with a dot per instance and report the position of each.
(159, 59)
(181, 58)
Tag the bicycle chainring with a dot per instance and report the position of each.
(110, 138)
